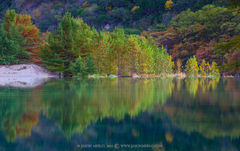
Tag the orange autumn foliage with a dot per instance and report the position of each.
(31, 33)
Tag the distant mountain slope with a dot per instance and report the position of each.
(137, 14)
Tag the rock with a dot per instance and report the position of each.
(24, 75)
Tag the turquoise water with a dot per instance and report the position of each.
(122, 114)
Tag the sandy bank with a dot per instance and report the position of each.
(24, 75)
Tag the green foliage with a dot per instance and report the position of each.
(106, 52)
(79, 67)
(163, 61)
(71, 40)
(191, 67)
(11, 46)
(9, 19)
(91, 68)
(213, 19)
(229, 54)
(83, 68)
(71, 102)
(11, 111)
(98, 13)
(206, 70)
(195, 33)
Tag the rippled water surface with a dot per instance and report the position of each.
(122, 114)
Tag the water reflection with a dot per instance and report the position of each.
(76, 104)
(161, 111)
(214, 111)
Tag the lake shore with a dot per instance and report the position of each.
(32, 75)
(24, 75)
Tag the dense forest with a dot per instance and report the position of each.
(130, 14)
(124, 37)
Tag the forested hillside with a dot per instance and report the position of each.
(80, 37)
(132, 14)
(211, 33)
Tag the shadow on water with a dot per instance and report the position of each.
(190, 114)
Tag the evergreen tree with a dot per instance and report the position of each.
(91, 68)
(59, 52)
(72, 39)
(11, 46)
(79, 68)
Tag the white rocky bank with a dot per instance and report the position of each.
(24, 75)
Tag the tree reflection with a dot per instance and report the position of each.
(74, 105)
(206, 106)
(207, 111)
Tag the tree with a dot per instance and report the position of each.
(12, 46)
(229, 55)
(91, 68)
(179, 66)
(72, 39)
(9, 19)
(79, 67)
(30, 33)
(163, 61)
(203, 68)
(168, 4)
(214, 69)
(60, 49)
(191, 67)
(195, 33)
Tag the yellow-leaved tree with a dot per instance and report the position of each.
(168, 4)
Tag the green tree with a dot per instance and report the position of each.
(91, 68)
(163, 61)
(9, 19)
(12, 46)
(229, 54)
(59, 51)
(72, 39)
(79, 67)
(191, 67)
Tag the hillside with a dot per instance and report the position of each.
(129, 36)
(137, 14)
